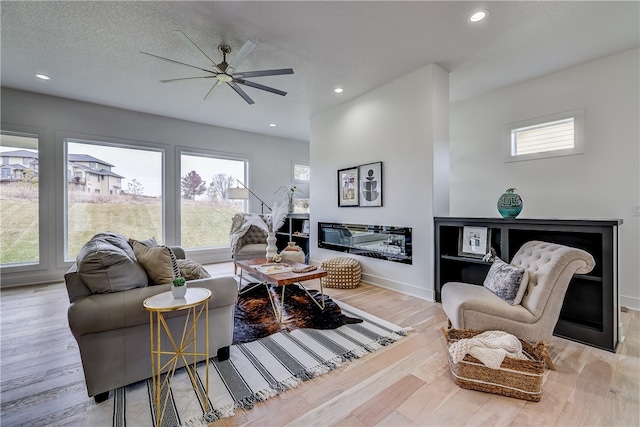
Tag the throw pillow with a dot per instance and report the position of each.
(107, 263)
(157, 261)
(507, 281)
(191, 270)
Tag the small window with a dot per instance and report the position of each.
(300, 172)
(543, 137)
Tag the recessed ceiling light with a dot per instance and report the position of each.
(478, 15)
(43, 76)
(338, 90)
(272, 125)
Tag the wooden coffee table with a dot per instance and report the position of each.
(281, 279)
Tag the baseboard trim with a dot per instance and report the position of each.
(632, 303)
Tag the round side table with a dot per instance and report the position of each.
(196, 300)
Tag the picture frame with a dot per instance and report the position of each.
(473, 242)
(348, 194)
(370, 184)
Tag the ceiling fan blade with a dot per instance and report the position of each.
(240, 92)
(186, 78)
(259, 86)
(213, 90)
(263, 73)
(242, 54)
(178, 62)
(195, 47)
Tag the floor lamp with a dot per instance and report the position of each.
(237, 193)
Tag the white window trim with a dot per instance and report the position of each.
(578, 148)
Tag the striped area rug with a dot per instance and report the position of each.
(255, 372)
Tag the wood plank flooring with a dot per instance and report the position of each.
(405, 384)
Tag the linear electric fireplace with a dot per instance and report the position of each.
(377, 241)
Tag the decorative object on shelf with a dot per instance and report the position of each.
(490, 256)
(301, 206)
(510, 204)
(288, 193)
(179, 287)
(348, 187)
(370, 185)
(237, 193)
(473, 242)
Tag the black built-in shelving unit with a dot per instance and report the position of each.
(590, 313)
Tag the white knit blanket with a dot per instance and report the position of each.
(490, 347)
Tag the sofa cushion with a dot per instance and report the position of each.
(106, 263)
(191, 270)
(506, 281)
(157, 261)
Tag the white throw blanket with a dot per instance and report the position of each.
(490, 347)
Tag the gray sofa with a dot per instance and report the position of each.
(106, 288)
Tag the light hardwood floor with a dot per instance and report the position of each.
(405, 384)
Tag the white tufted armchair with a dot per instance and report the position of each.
(549, 267)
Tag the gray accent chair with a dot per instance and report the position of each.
(252, 245)
(550, 268)
(112, 329)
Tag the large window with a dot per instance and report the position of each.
(19, 201)
(206, 210)
(112, 187)
(549, 136)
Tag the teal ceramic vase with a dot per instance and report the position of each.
(510, 204)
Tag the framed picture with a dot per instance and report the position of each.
(348, 187)
(473, 242)
(305, 226)
(370, 184)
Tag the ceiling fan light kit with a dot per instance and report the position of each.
(224, 72)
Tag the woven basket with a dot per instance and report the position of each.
(517, 378)
(342, 272)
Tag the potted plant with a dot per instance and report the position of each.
(179, 287)
(288, 193)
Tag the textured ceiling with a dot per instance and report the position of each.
(92, 50)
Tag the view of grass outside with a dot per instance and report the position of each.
(19, 206)
(116, 188)
(19, 230)
(206, 212)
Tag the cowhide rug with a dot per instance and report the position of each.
(254, 316)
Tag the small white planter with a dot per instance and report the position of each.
(179, 291)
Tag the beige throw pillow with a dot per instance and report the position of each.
(157, 261)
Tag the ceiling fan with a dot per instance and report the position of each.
(224, 72)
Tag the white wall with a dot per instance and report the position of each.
(270, 162)
(604, 182)
(404, 124)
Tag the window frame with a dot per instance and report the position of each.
(65, 138)
(213, 154)
(293, 172)
(578, 136)
(43, 202)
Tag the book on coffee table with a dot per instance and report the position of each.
(274, 268)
